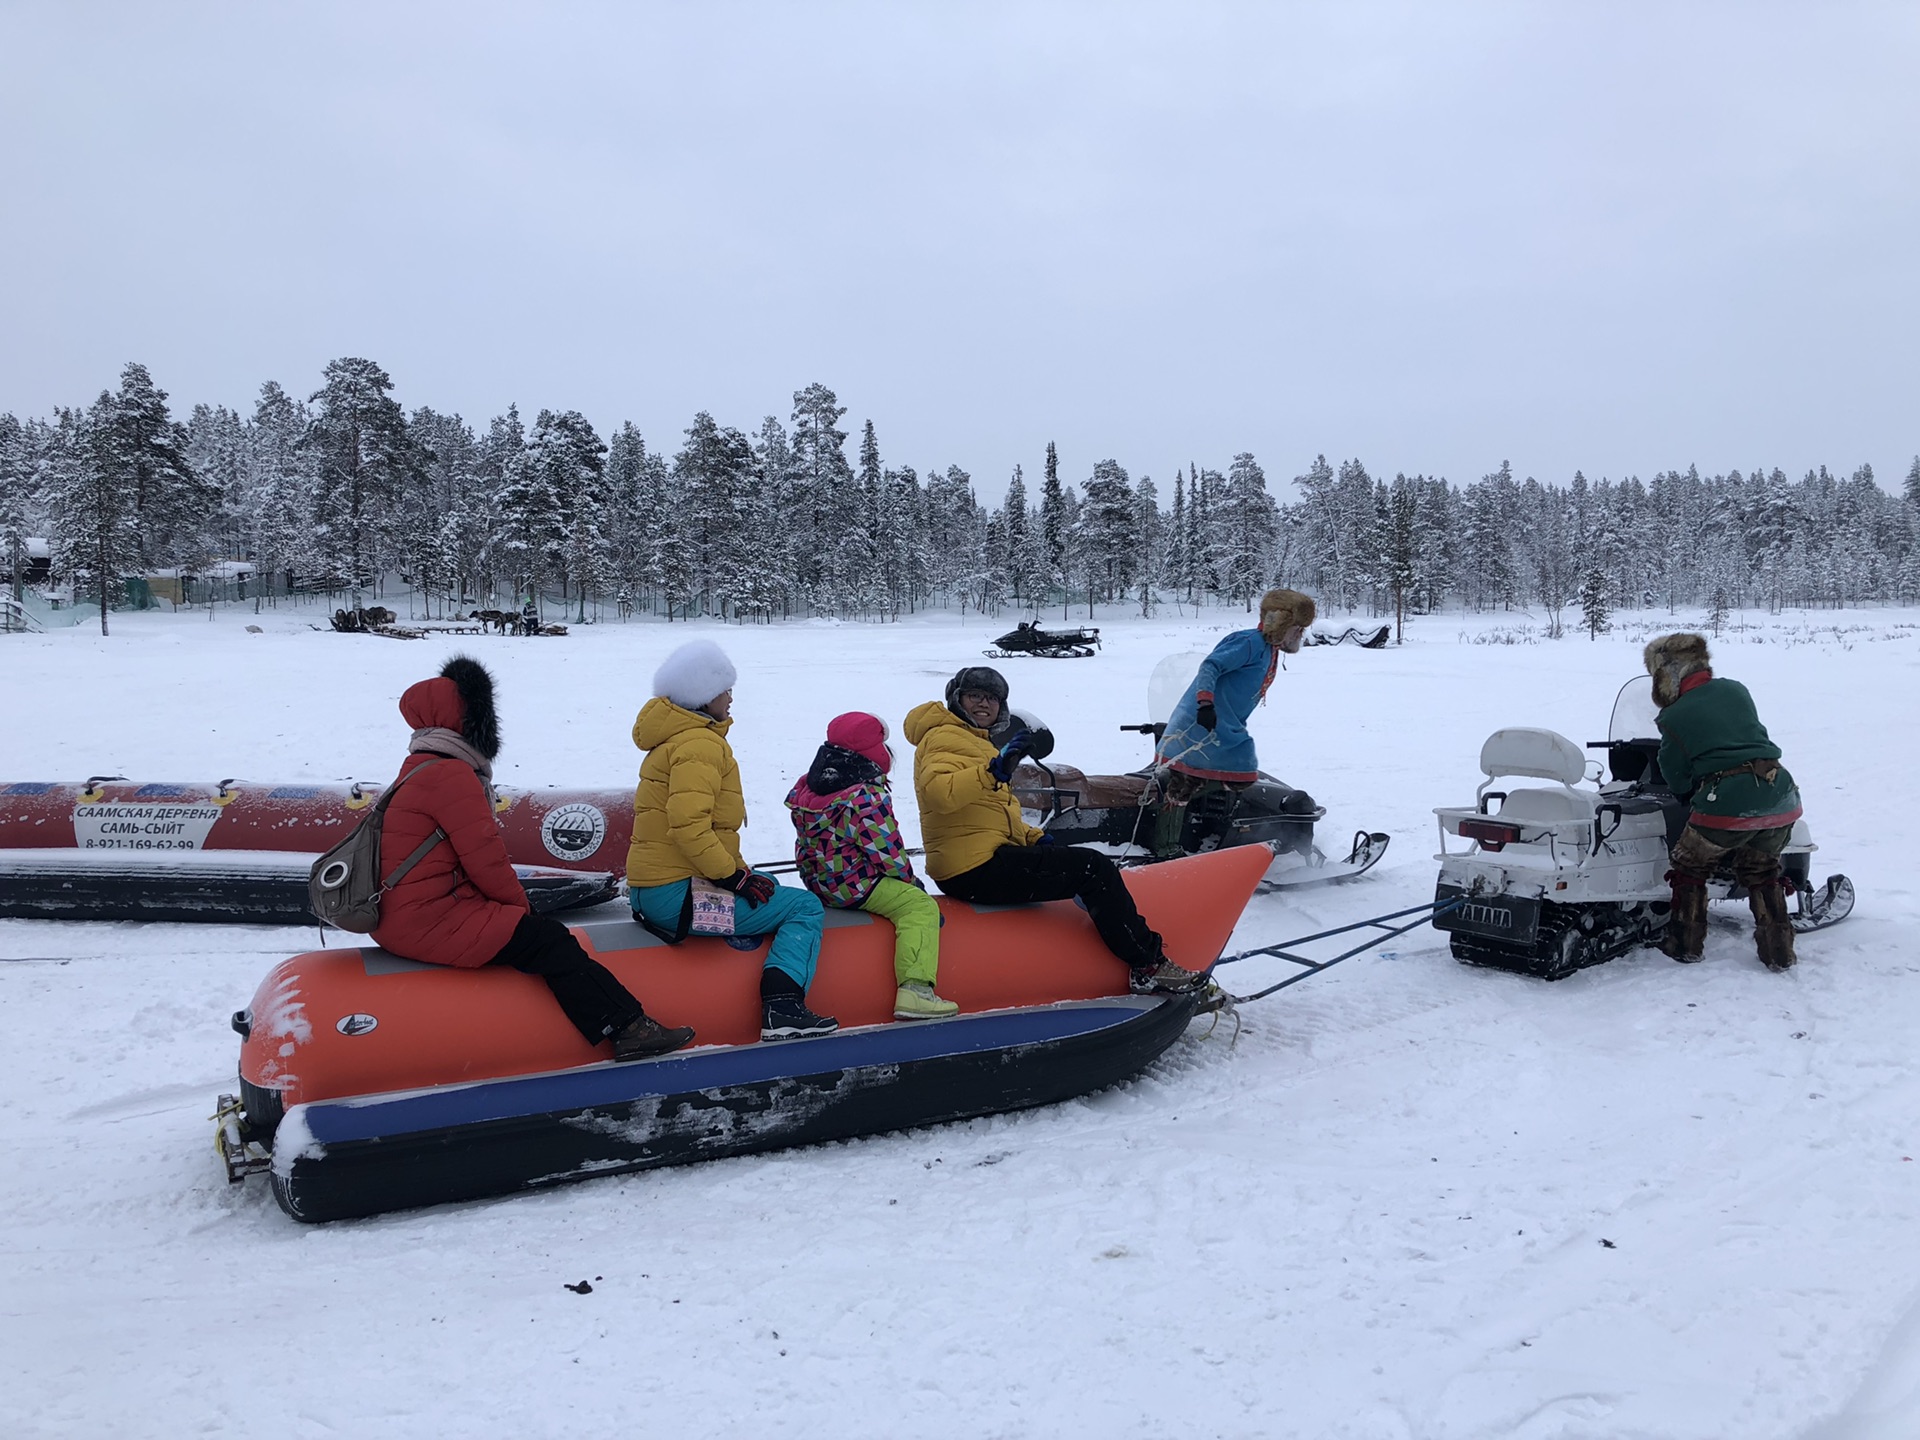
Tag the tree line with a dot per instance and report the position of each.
(344, 493)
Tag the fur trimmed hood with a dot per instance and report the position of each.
(1280, 611)
(1672, 658)
(695, 674)
(479, 722)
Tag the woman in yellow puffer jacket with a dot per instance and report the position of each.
(687, 814)
(979, 847)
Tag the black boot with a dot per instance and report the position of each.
(1686, 936)
(646, 1037)
(783, 1009)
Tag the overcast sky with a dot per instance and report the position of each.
(1615, 237)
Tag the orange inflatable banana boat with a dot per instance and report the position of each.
(371, 1083)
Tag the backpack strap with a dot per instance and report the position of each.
(400, 872)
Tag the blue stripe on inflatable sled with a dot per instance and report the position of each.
(372, 1117)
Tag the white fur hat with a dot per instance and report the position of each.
(694, 674)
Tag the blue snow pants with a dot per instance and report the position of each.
(793, 917)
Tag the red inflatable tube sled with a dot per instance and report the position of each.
(113, 849)
(371, 1083)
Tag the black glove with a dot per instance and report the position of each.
(1204, 715)
(753, 888)
(1002, 766)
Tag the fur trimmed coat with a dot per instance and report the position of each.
(1235, 677)
(460, 904)
(1712, 727)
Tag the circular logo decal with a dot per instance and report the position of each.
(356, 1024)
(573, 832)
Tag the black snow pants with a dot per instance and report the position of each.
(1020, 874)
(596, 1003)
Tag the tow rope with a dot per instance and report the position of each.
(1309, 967)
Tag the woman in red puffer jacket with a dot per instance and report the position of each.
(462, 904)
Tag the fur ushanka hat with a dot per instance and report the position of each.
(695, 674)
(1671, 659)
(985, 679)
(479, 723)
(1282, 610)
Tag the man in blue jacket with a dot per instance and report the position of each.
(1207, 745)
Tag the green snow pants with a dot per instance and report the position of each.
(916, 928)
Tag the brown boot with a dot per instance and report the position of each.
(646, 1037)
(1686, 936)
(1772, 930)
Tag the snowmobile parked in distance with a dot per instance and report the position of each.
(1557, 877)
(1028, 638)
(1120, 814)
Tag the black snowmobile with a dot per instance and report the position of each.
(1029, 639)
(1121, 813)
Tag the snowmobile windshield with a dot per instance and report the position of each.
(1634, 713)
(1169, 682)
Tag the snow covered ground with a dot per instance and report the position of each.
(1413, 1200)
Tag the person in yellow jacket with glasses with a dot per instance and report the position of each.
(980, 849)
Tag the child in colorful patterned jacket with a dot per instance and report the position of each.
(848, 848)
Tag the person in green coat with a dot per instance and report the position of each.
(1714, 752)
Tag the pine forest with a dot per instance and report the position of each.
(343, 494)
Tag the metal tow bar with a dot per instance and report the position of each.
(1283, 949)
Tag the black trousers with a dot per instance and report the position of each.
(1019, 874)
(596, 1003)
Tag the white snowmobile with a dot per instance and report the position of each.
(1120, 814)
(1557, 877)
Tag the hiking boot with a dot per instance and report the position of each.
(915, 1000)
(1166, 978)
(646, 1037)
(786, 1017)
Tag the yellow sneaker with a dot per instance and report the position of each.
(915, 1000)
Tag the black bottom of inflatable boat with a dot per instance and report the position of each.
(336, 1160)
(211, 887)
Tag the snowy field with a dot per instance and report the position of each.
(1413, 1200)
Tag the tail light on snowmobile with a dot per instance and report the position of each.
(1492, 834)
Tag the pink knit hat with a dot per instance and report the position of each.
(863, 734)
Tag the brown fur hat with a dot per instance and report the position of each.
(1281, 610)
(1671, 659)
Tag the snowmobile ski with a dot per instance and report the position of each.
(1829, 905)
(1368, 847)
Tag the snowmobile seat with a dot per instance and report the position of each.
(1090, 792)
(1549, 807)
(1540, 754)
